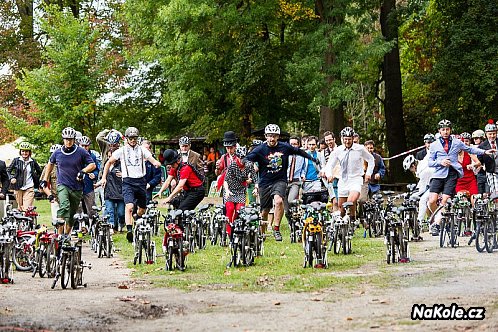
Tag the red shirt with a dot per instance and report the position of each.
(186, 172)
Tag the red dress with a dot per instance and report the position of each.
(468, 180)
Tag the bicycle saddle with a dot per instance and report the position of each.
(175, 213)
(347, 204)
(203, 207)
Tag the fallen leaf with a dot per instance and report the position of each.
(349, 318)
(144, 301)
(316, 300)
(384, 301)
(276, 303)
(123, 286)
(227, 273)
(128, 299)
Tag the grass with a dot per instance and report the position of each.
(280, 269)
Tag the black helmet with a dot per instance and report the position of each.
(170, 156)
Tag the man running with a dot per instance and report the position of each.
(73, 162)
(351, 157)
(132, 158)
(273, 162)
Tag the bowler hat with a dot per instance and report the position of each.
(229, 138)
(170, 156)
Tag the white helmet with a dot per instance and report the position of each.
(444, 124)
(131, 132)
(68, 133)
(409, 160)
(54, 148)
(184, 140)
(429, 138)
(479, 133)
(490, 126)
(347, 132)
(272, 129)
(84, 140)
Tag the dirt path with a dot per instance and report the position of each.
(114, 302)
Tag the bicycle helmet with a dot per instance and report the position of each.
(478, 134)
(131, 132)
(184, 140)
(240, 151)
(114, 137)
(68, 133)
(171, 156)
(465, 135)
(408, 162)
(272, 129)
(79, 135)
(84, 140)
(25, 146)
(55, 147)
(347, 132)
(491, 126)
(256, 142)
(444, 124)
(429, 138)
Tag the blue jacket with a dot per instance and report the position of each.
(437, 155)
(152, 175)
(87, 182)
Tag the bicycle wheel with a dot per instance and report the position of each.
(388, 250)
(453, 231)
(181, 257)
(100, 244)
(169, 256)
(65, 270)
(248, 252)
(489, 236)
(310, 250)
(394, 248)
(75, 269)
(51, 261)
(403, 243)
(139, 250)
(344, 238)
(201, 242)
(442, 232)
(23, 254)
(42, 262)
(480, 239)
(319, 259)
(109, 243)
(337, 241)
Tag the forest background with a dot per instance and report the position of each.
(390, 69)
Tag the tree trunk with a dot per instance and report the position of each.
(330, 118)
(393, 103)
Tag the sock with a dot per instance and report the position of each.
(276, 228)
(129, 228)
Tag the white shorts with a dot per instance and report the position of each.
(352, 184)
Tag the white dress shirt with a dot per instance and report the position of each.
(357, 155)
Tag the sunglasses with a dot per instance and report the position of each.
(132, 138)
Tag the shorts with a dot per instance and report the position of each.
(353, 184)
(445, 186)
(266, 194)
(134, 191)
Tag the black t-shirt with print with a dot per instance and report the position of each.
(273, 161)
